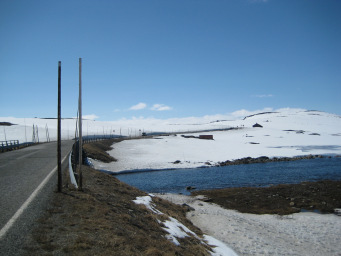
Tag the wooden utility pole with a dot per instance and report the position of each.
(59, 155)
(80, 182)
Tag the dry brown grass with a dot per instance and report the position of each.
(323, 196)
(103, 220)
(97, 150)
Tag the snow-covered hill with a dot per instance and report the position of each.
(286, 132)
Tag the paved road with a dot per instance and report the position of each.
(21, 172)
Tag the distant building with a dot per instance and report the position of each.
(257, 125)
(206, 137)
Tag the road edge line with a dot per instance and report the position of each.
(23, 207)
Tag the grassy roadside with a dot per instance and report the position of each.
(98, 150)
(104, 220)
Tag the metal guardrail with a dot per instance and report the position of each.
(74, 155)
(93, 138)
(9, 145)
(71, 172)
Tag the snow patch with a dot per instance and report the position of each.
(220, 249)
(146, 201)
(177, 230)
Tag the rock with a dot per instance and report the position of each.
(190, 188)
(177, 162)
(264, 159)
(188, 208)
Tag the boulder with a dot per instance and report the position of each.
(190, 188)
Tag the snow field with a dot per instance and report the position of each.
(250, 234)
(285, 134)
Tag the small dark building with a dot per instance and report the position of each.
(257, 125)
(206, 137)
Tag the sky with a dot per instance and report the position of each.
(169, 58)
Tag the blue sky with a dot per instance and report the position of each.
(162, 59)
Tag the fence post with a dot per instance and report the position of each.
(37, 133)
(33, 135)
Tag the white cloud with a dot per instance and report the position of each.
(263, 96)
(151, 122)
(244, 112)
(160, 107)
(90, 117)
(138, 106)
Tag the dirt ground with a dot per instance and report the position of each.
(321, 196)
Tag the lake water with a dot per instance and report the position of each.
(247, 175)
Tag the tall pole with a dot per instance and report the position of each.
(80, 127)
(59, 155)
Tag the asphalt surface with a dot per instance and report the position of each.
(21, 172)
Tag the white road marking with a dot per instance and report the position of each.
(10, 223)
(29, 154)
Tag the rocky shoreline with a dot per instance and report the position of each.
(265, 159)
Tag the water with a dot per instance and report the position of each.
(249, 175)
